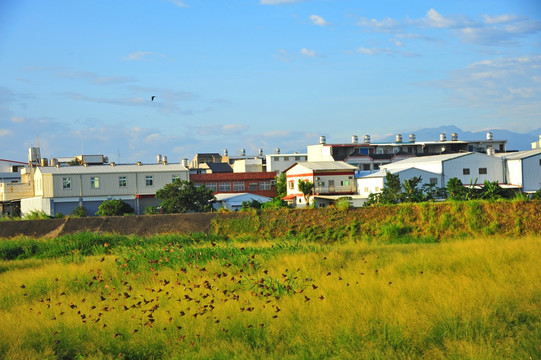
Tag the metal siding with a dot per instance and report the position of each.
(514, 172)
(532, 173)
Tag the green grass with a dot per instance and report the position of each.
(300, 296)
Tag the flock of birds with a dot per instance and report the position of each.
(174, 304)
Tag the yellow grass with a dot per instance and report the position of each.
(477, 298)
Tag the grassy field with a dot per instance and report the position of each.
(215, 297)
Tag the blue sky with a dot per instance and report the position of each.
(259, 73)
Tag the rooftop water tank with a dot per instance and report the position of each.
(322, 140)
(367, 139)
(242, 152)
(260, 152)
(354, 139)
(490, 136)
(398, 138)
(277, 151)
(226, 152)
(412, 138)
(159, 158)
(454, 137)
(443, 137)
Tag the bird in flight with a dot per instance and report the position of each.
(152, 98)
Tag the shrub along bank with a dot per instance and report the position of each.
(424, 222)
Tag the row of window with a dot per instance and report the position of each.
(237, 186)
(122, 181)
(482, 171)
(286, 158)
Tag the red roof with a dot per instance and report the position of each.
(290, 196)
(233, 176)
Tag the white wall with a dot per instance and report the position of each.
(532, 173)
(454, 168)
(36, 204)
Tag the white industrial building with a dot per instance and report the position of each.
(523, 169)
(61, 189)
(375, 182)
(469, 167)
(280, 162)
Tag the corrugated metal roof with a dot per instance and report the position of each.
(426, 159)
(105, 169)
(327, 165)
(522, 154)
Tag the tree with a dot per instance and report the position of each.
(115, 207)
(79, 211)
(74, 162)
(275, 203)
(182, 196)
(252, 204)
(456, 189)
(306, 188)
(281, 185)
(411, 192)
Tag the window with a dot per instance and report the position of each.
(197, 185)
(225, 186)
(149, 180)
(122, 181)
(539, 162)
(264, 185)
(252, 187)
(95, 182)
(66, 183)
(366, 189)
(174, 177)
(466, 171)
(482, 171)
(291, 185)
(344, 183)
(277, 158)
(211, 186)
(286, 158)
(238, 186)
(433, 181)
(321, 183)
(297, 158)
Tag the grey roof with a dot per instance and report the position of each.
(426, 159)
(522, 154)
(106, 169)
(327, 165)
(220, 167)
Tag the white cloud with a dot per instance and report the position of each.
(385, 51)
(179, 3)
(499, 18)
(437, 20)
(503, 85)
(385, 25)
(232, 129)
(5, 132)
(488, 30)
(318, 20)
(279, 2)
(17, 119)
(309, 53)
(137, 55)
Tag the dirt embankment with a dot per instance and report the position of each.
(436, 220)
(125, 225)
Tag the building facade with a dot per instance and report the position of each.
(62, 189)
(259, 183)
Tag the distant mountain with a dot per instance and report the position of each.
(515, 141)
